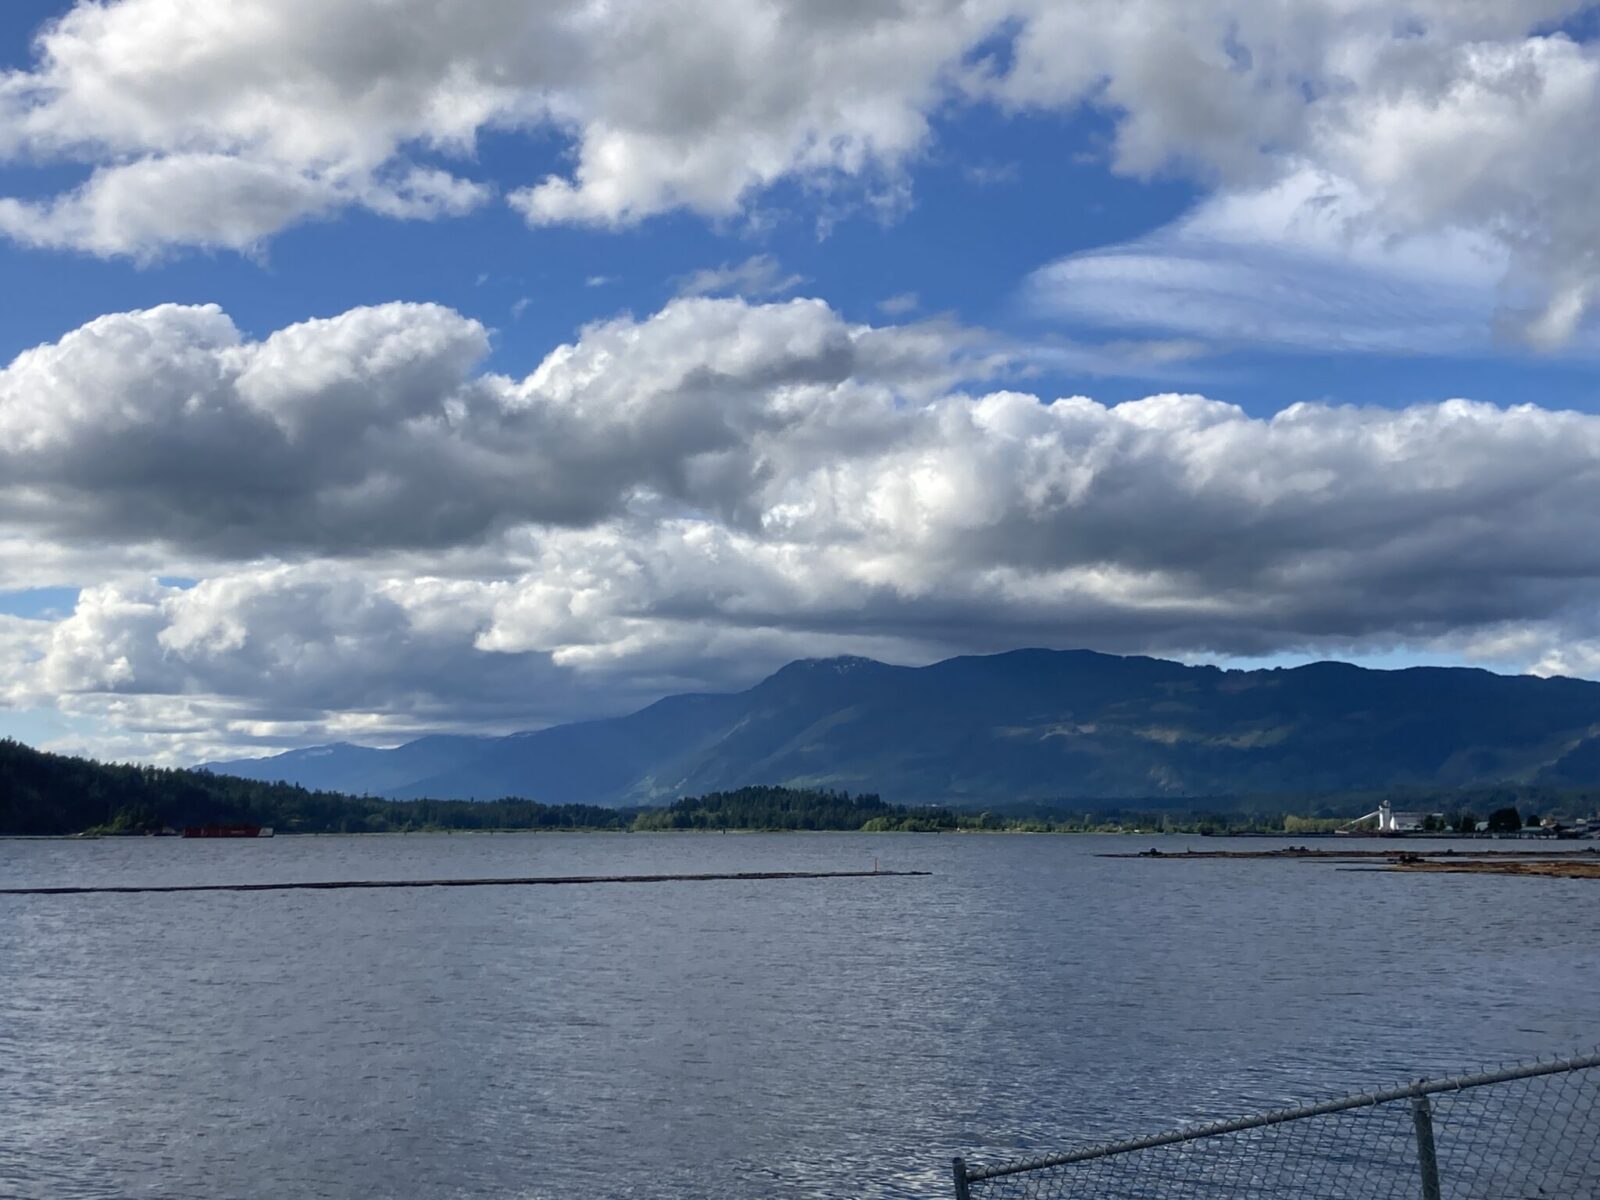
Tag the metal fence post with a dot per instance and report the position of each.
(1427, 1160)
(959, 1170)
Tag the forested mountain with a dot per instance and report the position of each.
(1030, 725)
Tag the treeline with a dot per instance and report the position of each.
(791, 808)
(1270, 808)
(1043, 819)
(44, 794)
(53, 794)
(1500, 804)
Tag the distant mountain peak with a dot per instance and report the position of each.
(840, 663)
(1027, 725)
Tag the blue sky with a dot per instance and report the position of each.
(994, 198)
(1019, 205)
(963, 245)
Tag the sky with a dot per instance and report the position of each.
(371, 368)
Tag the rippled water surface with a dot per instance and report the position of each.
(787, 1039)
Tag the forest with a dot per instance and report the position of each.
(44, 794)
(55, 794)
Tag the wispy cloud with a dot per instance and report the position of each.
(991, 174)
(1158, 360)
(755, 277)
(1295, 266)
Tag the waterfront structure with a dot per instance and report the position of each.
(1390, 821)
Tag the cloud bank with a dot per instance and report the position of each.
(220, 126)
(389, 539)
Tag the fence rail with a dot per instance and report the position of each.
(1530, 1130)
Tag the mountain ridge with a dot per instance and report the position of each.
(1023, 725)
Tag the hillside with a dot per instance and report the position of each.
(52, 794)
(1030, 725)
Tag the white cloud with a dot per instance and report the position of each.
(689, 499)
(373, 429)
(271, 655)
(140, 207)
(219, 128)
(1446, 119)
(1304, 264)
(288, 109)
(899, 304)
(23, 640)
(756, 277)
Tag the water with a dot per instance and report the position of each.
(799, 1038)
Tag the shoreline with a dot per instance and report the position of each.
(1573, 863)
(1537, 869)
(87, 836)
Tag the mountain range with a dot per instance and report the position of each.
(1024, 726)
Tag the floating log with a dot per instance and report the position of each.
(525, 881)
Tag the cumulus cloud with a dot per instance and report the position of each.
(265, 657)
(388, 540)
(213, 200)
(295, 107)
(1444, 116)
(273, 652)
(374, 429)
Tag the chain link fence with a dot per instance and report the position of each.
(1519, 1133)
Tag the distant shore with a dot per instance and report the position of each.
(1012, 830)
(1546, 868)
(1570, 863)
